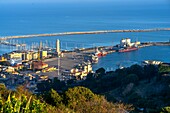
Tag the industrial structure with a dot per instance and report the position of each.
(127, 43)
(58, 47)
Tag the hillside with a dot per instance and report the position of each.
(147, 88)
(134, 89)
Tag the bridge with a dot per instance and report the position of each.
(85, 32)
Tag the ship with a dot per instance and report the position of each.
(126, 45)
(128, 49)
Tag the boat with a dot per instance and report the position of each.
(128, 49)
(151, 62)
(104, 53)
(95, 59)
(99, 53)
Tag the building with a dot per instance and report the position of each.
(15, 61)
(2, 59)
(18, 67)
(27, 65)
(123, 42)
(85, 69)
(39, 65)
(30, 55)
(79, 71)
(9, 69)
(35, 56)
(15, 55)
(43, 54)
(27, 55)
(127, 43)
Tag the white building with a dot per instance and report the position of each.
(125, 42)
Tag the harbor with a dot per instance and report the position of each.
(65, 65)
(85, 56)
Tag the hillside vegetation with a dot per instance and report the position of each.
(134, 89)
(74, 100)
(147, 88)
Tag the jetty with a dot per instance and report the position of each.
(3, 42)
(84, 32)
(145, 44)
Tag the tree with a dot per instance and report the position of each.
(22, 90)
(53, 98)
(100, 71)
(150, 72)
(165, 110)
(77, 96)
(90, 76)
(57, 84)
(21, 104)
(44, 86)
(83, 100)
(163, 69)
(138, 70)
(131, 78)
(4, 91)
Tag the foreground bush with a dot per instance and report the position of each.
(74, 100)
(21, 104)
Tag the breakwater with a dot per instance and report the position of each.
(85, 32)
(145, 44)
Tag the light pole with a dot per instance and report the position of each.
(58, 66)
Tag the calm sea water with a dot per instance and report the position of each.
(114, 60)
(21, 19)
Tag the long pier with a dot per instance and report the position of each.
(85, 32)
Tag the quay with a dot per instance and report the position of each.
(85, 32)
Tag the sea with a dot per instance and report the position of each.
(37, 18)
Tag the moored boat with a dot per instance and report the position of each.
(101, 53)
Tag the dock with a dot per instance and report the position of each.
(11, 44)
